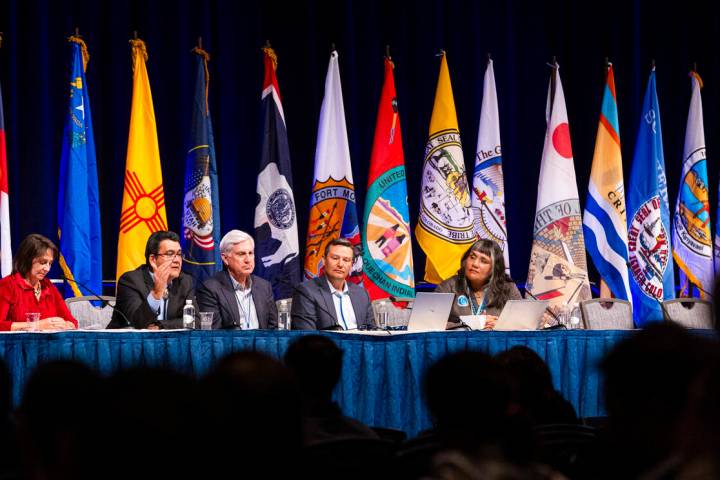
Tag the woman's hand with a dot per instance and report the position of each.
(490, 322)
(54, 323)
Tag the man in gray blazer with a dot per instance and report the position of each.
(329, 302)
(239, 299)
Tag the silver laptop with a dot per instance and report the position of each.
(430, 312)
(521, 315)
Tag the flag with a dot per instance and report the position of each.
(558, 268)
(276, 236)
(445, 225)
(79, 227)
(605, 218)
(692, 237)
(651, 264)
(143, 205)
(488, 197)
(5, 249)
(200, 238)
(387, 244)
(332, 201)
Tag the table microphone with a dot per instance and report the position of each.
(547, 309)
(98, 298)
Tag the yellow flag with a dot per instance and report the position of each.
(445, 227)
(143, 205)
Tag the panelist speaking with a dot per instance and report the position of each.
(153, 295)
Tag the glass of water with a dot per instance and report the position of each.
(206, 320)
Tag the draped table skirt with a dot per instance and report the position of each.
(381, 382)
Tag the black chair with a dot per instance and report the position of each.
(565, 447)
(390, 434)
(349, 458)
(414, 457)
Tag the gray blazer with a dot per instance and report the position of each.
(313, 307)
(217, 295)
(451, 286)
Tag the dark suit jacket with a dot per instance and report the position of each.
(217, 295)
(313, 307)
(131, 299)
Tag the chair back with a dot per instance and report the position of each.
(89, 316)
(349, 458)
(607, 314)
(690, 312)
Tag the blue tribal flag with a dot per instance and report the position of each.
(200, 240)
(78, 197)
(649, 246)
(276, 236)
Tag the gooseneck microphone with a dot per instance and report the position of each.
(98, 298)
(558, 326)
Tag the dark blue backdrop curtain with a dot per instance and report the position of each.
(521, 36)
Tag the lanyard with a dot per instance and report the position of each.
(340, 296)
(474, 307)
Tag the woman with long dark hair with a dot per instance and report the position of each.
(481, 286)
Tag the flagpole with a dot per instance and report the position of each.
(553, 80)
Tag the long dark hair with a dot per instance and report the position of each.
(498, 289)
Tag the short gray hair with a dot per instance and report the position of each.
(234, 237)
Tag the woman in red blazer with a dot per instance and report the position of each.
(27, 290)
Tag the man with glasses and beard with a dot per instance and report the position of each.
(153, 295)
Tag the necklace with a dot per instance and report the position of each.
(475, 307)
(37, 289)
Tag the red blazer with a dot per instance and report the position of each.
(18, 298)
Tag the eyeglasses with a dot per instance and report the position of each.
(170, 254)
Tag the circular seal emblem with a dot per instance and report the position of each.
(280, 209)
(462, 301)
(648, 248)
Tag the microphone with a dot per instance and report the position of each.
(552, 314)
(98, 298)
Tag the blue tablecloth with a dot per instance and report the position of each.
(381, 383)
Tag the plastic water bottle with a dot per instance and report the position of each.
(283, 315)
(575, 315)
(189, 315)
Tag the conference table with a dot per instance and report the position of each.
(382, 378)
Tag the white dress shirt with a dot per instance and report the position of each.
(246, 305)
(343, 307)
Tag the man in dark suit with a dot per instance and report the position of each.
(153, 295)
(239, 299)
(328, 302)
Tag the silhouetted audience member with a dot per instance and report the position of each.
(317, 364)
(471, 405)
(152, 431)
(647, 381)
(9, 449)
(532, 388)
(59, 421)
(252, 424)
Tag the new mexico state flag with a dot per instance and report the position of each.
(143, 205)
(445, 224)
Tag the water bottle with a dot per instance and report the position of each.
(283, 315)
(382, 310)
(189, 315)
(575, 315)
